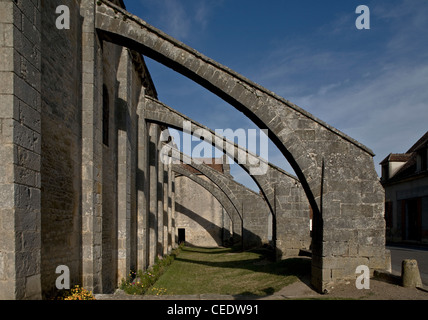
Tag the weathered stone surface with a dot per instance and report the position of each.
(410, 274)
(219, 194)
(63, 187)
(329, 151)
(199, 213)
(253, 211)
(274, 183)
(20, 133)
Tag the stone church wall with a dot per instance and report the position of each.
(61, 163)
(61, 158)
(69, 173)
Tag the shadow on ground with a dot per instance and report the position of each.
(263, 262)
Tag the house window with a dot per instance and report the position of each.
(385, 172)
(106, 116)
(424, 162)
(411, 219)
(421, 161)
(388, 215)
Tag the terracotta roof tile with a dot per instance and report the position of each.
(397, 157)
(214, 163)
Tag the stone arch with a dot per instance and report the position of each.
(220, 195)
(156, 111)
(290, 239)
(294, 130)
(252, 206)
(217, 178)
(336, 172)
(236, 193)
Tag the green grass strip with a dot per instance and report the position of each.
(199, 270)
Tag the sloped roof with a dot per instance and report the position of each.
(422, 142)
(397, 157)
(211, 162)
(408, 170)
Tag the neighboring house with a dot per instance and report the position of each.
(405, 179)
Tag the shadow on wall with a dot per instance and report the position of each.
(215, 232)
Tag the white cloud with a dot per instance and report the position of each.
(180, 19)
(374, 91)
(376, 94)
(173, 18)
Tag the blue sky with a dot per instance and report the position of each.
(370, 84)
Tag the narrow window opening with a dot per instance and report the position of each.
(106, 116)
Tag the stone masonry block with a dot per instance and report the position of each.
(237, 91)
(7, 192)
(367, 250)
(347, 235)
(27, 198)
(207, 71)
(6, 59)
(6, 35)
(29, 117)
(27, 177)
(7, 240)
(23, 136)
(29, 73)
(30, 31)
(352, 210)
(31, 240)
(27, 93)
(28, 159)
(9, 107)
(27, 220)
(335, 248)
(7, 266)
(27, 263)
(30, 49)
(306, 134)
(6, 12)
(192, 63)
(6, 169)
(7, 82)
(28, 9)
(32, 287)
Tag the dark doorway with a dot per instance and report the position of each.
(181, 235)
(412, 220)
